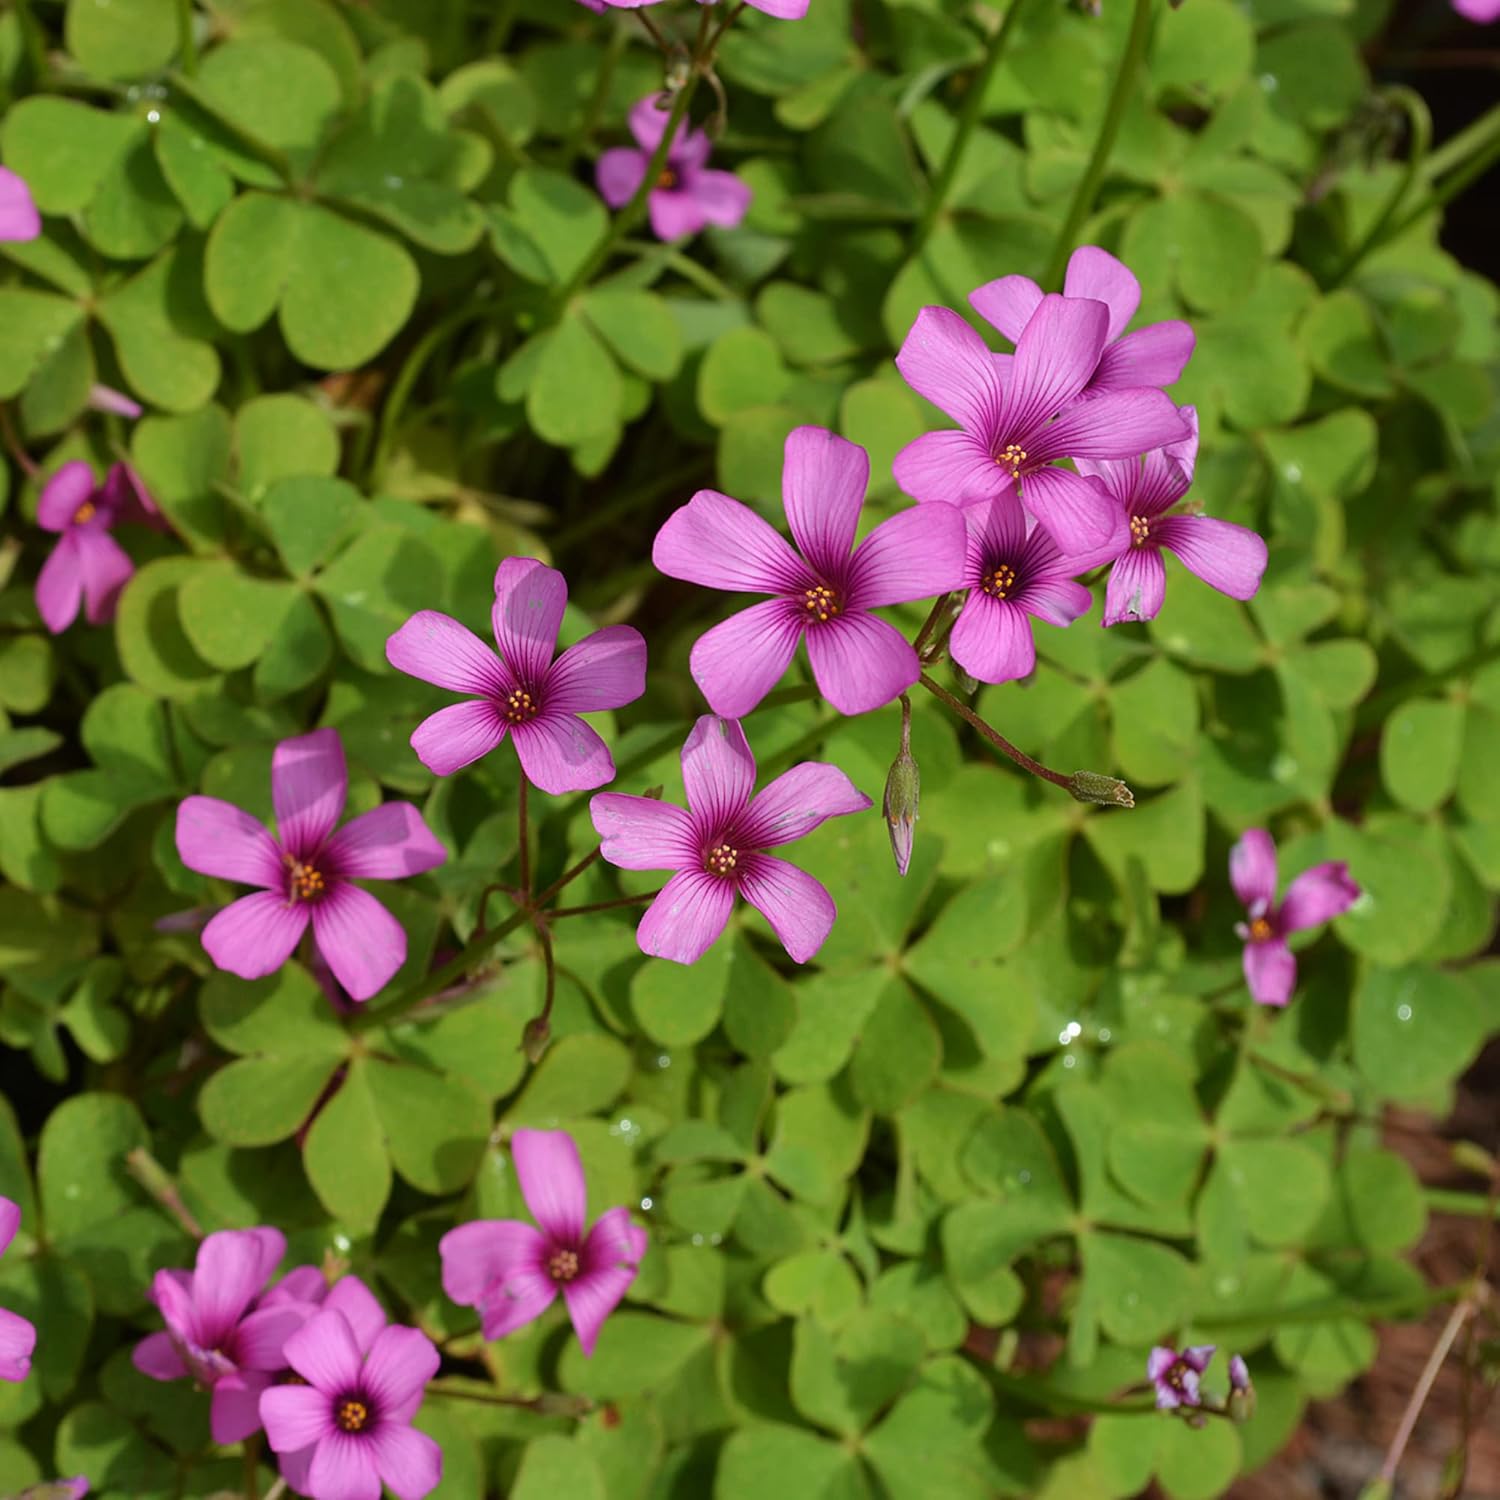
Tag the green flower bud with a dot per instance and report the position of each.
(535, 1038)
(903, 794)
(1104, 791)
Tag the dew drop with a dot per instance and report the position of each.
(1023, 1178)
(1403, 1012)
(647, 1204)
(1070, 1061)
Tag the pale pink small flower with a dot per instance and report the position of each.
(107, 398)
(513, 1272)
(17, 1334)
(19, 219)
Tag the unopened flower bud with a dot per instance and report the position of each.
(1104, 791)
(1241, 1392)
(535, 1037)
(903, 795)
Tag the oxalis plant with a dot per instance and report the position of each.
(741, 745)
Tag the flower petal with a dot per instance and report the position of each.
(521, 1298)
(859, 662)
(1079, 513)
(721, 544)
(69, 488)
(1252, 871)
(1058, 601)
(739, 660)
(1270, 972)
(1316, 896)
(1226, 557)
(435, 648)
(674, 213)
(343, 1468)
(785, 10)
(619, 173)
(800, 911)
(59, 585)
(551, 1178)
(640, 833)
(561, 754)
(603, 671)
(386, 843)
(914, 554)
(718, 771)
(156, 1355)
(1137, 585)
(19, 219)
(823, 484)
(614, 1241)
(400, 1363)
(260, 1339)
(648, 122)
(798, 801)
(254, 936)
(1007, 304)
(410, 1462)
(366, 1317)
(1096, 273)
(1117, 424)
(219, 839)
(324, 1354)
(686, 919)
(296, 1416)
(362, 942)
(17, 1341)
(951, 466)
(10, 1221)
(1159, 1361)
(602, 1283)
(1154, 355)
(992, 639)
(477, 1255)
(1055, 358)
(105, 568)
(457, 736)
(1197, 1356)
(309, 782)
(234, 1411)
(943, 359)
(232, 1266)
(529, 601)
(721, 197)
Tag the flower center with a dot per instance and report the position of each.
(821, 603)
(562, 1265)
(1000, 581)
(1261, 931)
(85, 513)
(721, 860)
(667, 181)
(1140, 531)
(520, 707)
(306, 881)
(352, 1415)
(1177, 1376)
(1011, 457)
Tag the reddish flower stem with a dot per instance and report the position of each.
(995, 738)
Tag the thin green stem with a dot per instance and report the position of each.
(523, 839)
(589, 122)
(1470, 1205)
(1449, 187)
(34, 37)
(658, 40)
(930, 623)
(186, 42)
(1459, 148)
(684, 265)
(968, 118)
(593, 906)
(1104, 143)
(499, 32)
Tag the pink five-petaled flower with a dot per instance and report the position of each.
(212, 1334)
(1175, 1375)
(1014, 571)
(522, 692)
(1226, 557)
(688, 194)
(717, 846)
(307, 876)
(1316, 896)
(354, 1414)
(513, 1272)
(825, 594)
(87, 565)
(17, 1335)
(1154, 355)
(19, 219)
(1018, 414)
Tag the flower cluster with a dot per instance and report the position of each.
(1176, 1378)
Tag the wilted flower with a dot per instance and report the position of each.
(213, 1336)
(522, 692)
(19, 219)
(1176, 1376)
(717, 846)
(87, 565)
(513, 1272)
(17, 1334)
(1316, 896)
(1154, 355)
(307, 876)
(1226, 557)
(825, 594)
(1018, 414)
(352, 1418)
(1013, 571)
(688, 194)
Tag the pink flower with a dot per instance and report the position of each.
(1481, 12)
(1316, 896)
(19, 219)
(307, 876)
(1226, 557)
(523, 692)
(107, 398)
(1019, 414)
(512, 1272)
(688, 194)
(1014, 572)
(1155, 355)
(212, 1334)
(87, 565)
(351, 1421)
(17, 1335)
(1175, 1375)
(785, 10)
(717, 846)
(825, 594)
